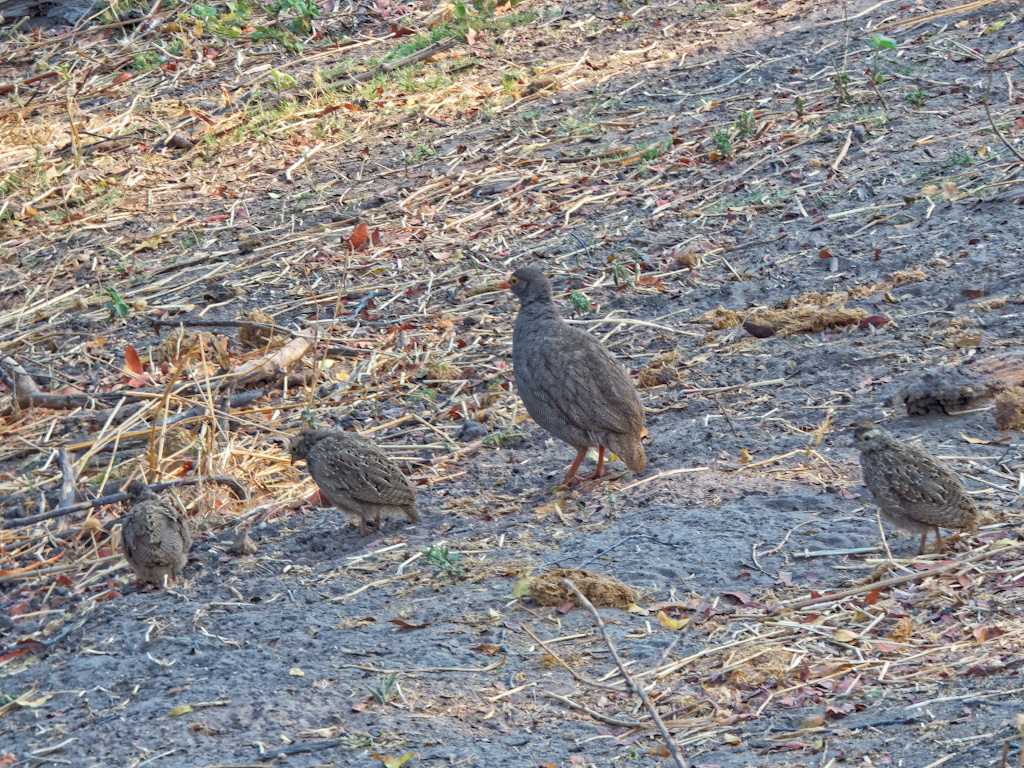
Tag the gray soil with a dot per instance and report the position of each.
(278, 652)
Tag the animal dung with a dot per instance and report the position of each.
(602, 591)
(660, 370)
(1009, 412)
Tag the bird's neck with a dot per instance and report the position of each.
(541, 308)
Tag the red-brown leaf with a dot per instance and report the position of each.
(131, 360)
(359, 237)
(874, 320)
(407, 625)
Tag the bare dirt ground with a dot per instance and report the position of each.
(776, 213)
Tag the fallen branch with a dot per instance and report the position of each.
(27, 393)
(567, 668)
(673, 750)
(8, 87)
(332, 351)
(991, 122)
(273, 364)
(413, 58)
(596, 715)
(239, 491)
(884, 583)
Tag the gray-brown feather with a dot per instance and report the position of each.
(354, 475)
(912, 488)
(571, 385)
(155, 538)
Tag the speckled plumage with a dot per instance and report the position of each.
(913, 489)
(155, 538)
(571, 385)
(354, 475)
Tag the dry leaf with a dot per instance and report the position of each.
(131, 359)
(359, 237)
(181, 709)
(979, 441)
(814, 721)
(669, 623)
(23, 702)
(522, 586)
(949, 190)
(296, 672)
(407, 625)
(488, 649)
(844, 636)
(394, 762)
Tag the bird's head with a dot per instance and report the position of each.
(530, 284)
(868, 437)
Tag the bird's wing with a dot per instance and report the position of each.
(923, 488)
(574, 376)
(358, 471)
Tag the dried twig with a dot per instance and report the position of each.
(67, 478)
(237, 488)
(636, 688)
(991, 122)
(884, 583)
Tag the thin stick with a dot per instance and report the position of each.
(836, 596)
(236, 488)
(596, 715)
(581, 678)
(638, 690)
(660, 475)
(991, 122)
(881, 532)
(67, 477)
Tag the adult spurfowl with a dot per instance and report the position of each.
(571, 385)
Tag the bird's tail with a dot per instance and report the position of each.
(412, 514)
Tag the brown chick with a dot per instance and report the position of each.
(571, 385)
(155, 538)
(354, 475)
(913, 490)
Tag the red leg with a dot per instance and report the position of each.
(377, 527)
(924, 538)
(570, 476)
(600, 465)
(942, 544)
(362, 526)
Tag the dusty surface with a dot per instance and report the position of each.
(608, 169)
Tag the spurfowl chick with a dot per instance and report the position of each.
(354, 475)
(155, 538)
(571, 385)
(913, 489)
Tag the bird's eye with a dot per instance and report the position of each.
(513, 281)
